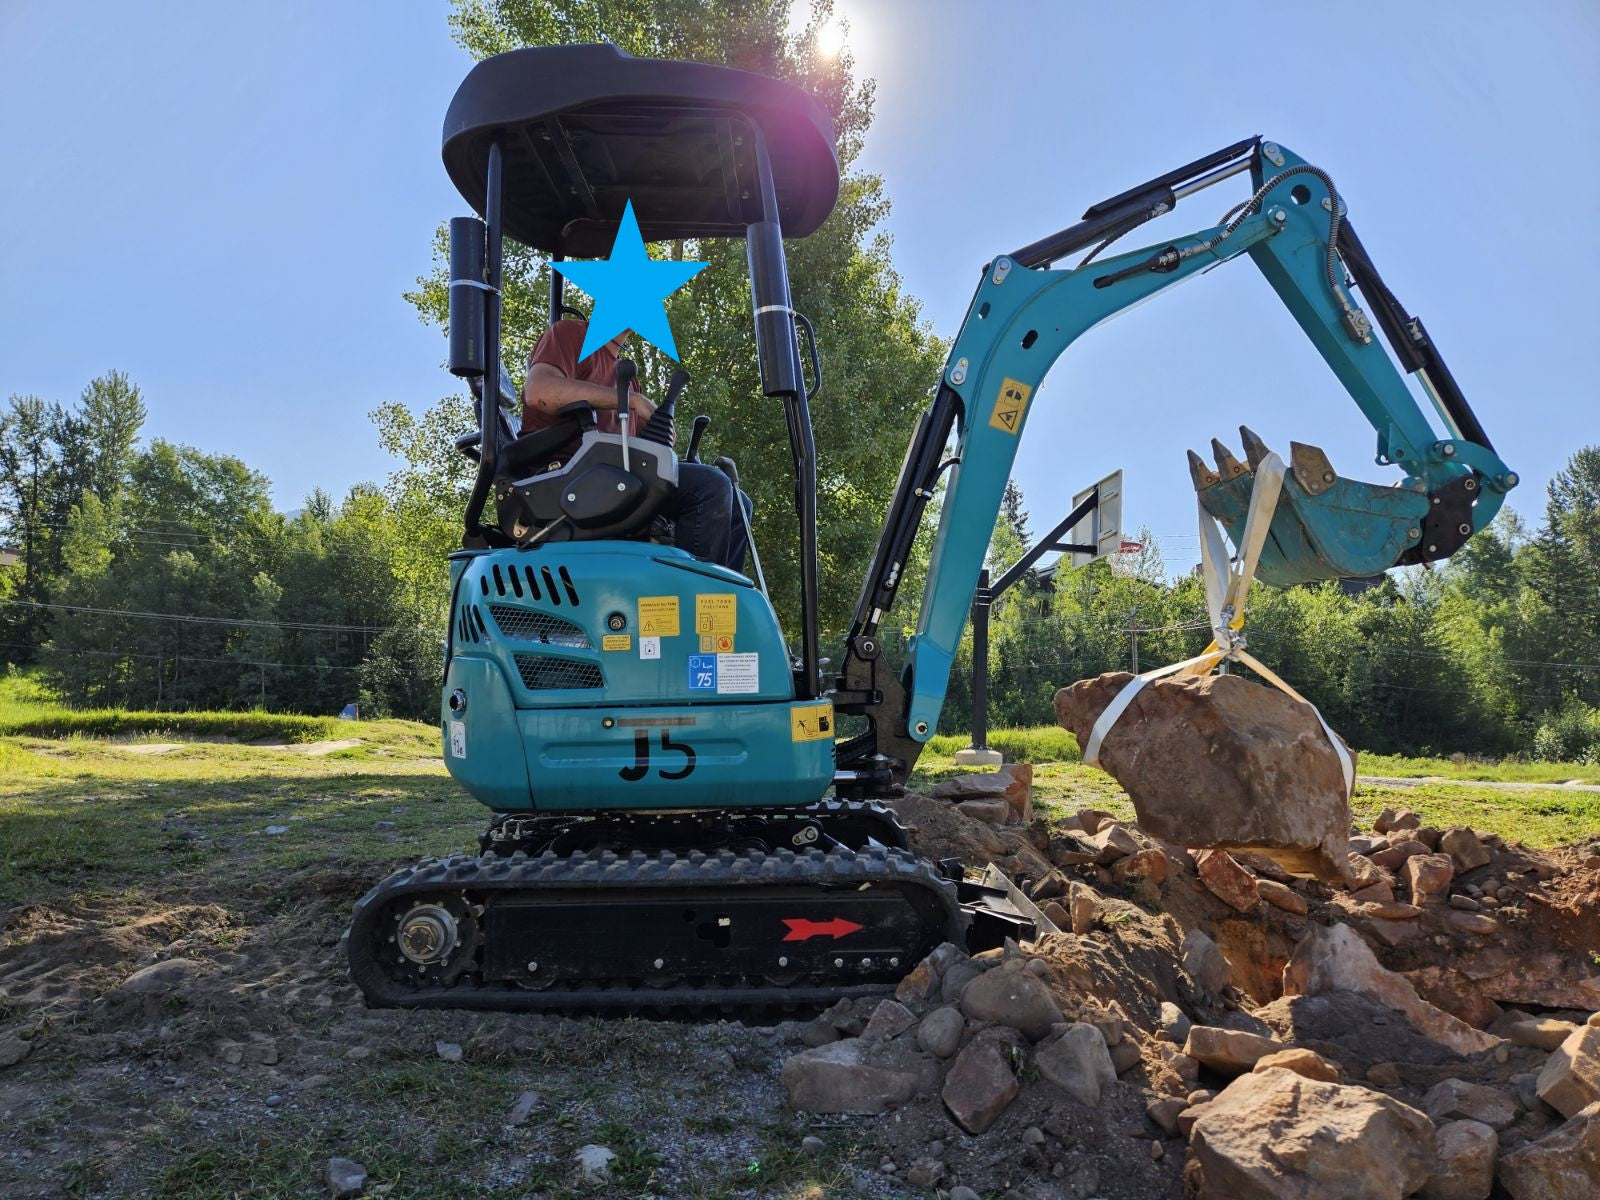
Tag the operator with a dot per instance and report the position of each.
(702, 508)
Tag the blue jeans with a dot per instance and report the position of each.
(703, 513)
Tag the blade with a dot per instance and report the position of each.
(1202, 475)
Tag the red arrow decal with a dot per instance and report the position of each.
(800, 929)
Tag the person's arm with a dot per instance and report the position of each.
(549, 390)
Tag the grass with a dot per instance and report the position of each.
(1038, 744)
(1458, 766)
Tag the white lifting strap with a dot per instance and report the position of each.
(1227, 586)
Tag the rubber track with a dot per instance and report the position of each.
(657, 874)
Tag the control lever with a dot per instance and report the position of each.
(626, 374)
(662, 427)
(692, 454)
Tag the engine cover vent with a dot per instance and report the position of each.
(542, 674)
(526, 625)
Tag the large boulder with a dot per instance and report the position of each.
(1562, 1165)
(850, 1076)
(1222, 762)
(1334, 958)
(1280, 1136)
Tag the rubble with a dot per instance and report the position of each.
(1224, 763)
(846, 1077)
(1012, 997)
(981, 1082)
(1420, 1038)
(1227, 880)
(1228, 1050)
(1078, 1062)
(1458, 1100)
(1204, 962)
(1465, 1152)
(1563, 1165)
(1570, 1079)
(1302, 1062)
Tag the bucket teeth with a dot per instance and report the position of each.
(1202, 475)
(1228, 466)
(1312, 470)
(1254, 448)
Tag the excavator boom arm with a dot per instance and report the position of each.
(1025, 313)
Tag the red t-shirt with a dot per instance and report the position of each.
(559, 348)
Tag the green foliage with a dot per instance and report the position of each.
(400, 675)
(1570, 733)
(29, 708)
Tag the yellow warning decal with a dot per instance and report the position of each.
(811, 723)
(1009, 405)
(617, 641)
(716, 613)
(658, 616)
(716, 643)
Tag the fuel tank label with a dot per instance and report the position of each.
(716, 614)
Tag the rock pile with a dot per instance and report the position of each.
(1209, 1025)
(1003, 797)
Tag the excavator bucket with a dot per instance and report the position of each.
(1324, 526)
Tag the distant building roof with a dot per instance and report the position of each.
(9, 556)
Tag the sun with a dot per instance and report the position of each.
(830, 37)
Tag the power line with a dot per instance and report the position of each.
(198, 620)
(238, 662)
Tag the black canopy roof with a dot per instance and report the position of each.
(586, 128)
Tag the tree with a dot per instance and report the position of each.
(29, 464)
(881, 360)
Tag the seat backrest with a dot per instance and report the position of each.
(591, 496)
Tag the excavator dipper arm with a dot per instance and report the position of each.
(1026, 312)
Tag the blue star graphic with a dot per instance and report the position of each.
(630, 289)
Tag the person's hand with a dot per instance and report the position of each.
(641, 408)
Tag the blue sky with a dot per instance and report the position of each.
(226, 201)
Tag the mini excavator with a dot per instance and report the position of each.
(675, 823)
